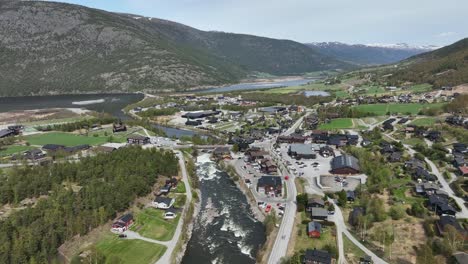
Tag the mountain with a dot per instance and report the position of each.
(371, 54)
(447, 66)
(50, 48)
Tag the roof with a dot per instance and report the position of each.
(320, 256)
(126, 217)
(314, 226)
(138, 137)
(6, 132)
(461, 257)
(463, 169)
(301, 149)
(449, 220)
(53, 147)
(316, 200)
(165, 200)
(317, 211)
(269, 180)
(345, 161)
(350, 194)
(221, 150)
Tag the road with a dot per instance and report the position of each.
(166, 258)
(443, 182)
(342, 228)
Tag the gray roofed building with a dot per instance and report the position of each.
(302, 151)
(318, 213)
(345, 164)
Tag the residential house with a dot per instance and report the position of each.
(138, 140)
(395, 156)
(445, 221)
(459, 148)
(314, 203)
(34, 154)
(440, 205)
(313, 229)
(414, 163)
(163, 202)
(319, 136)
(268, 167)
(423, 174)
(119, 127)
(352, 139)
(434, 135)
(293, 138)
(426, 188)
(270, 186)
(337, 140)
(122, 223)
(170, 213)
(6, 133)
(345, 164)
(318, 213)
(316, 257)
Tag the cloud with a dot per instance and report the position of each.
(446, 34)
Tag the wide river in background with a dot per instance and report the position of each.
(259, 85)
(225, 230)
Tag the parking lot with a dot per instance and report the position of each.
(337, 183)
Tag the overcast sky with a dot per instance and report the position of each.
(418, 22)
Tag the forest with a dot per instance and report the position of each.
(79, 197)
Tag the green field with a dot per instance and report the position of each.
(65, 139)
(339, 123)
(425, 121)
(129, 251)
(151, 224)
(413, 141)
(351, 248)
(10, 150)
(180, 187)
(383, 109)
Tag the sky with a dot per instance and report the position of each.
(416, 22)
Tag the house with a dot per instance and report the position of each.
(314, 203)
(193, 122)
(350, 196)
(123, 223)
(318, 213)
(445, 221)
(267, 166)
(316, 257)
(440, 205)
(138, 140)
(365, 260)
(459, 148)
(52, 147)
(222, 152)
(105, 149)
(6, 133)
(163, 202)
(420, 173)
(254, 154)
(434, 135)
(352, 139)
(345, 164)
(170, 213)
(409, 129)
(119, 127)
(337, 140)
(426, 188)
(319, 136)
(34, 154)
(460, 258)
(354, 215)
(293, 138)
(463, 170)
(270, 186)
(301, 151)
(414, 163)
(313, 229)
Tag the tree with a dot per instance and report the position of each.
(397, 212)
(425, 255)
(342, 199)
(235, 148)
(301, 200)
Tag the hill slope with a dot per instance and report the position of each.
(366, 54)
(48, 47)
(447, 66)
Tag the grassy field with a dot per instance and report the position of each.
(151, 224)
(180, 187)
(339, 123)
(303, 241)
(413, 141)
(119, 137)
(383, 109)
(10, 150)
(425, 121)
(129, 251)
(65, 139)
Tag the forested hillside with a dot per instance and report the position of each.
(80, 196)
(447, 66)
(52, 48)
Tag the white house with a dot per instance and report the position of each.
(170, 214)
(163, 202)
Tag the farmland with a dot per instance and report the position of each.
(339, 123)
(65, 139)
(126, 251)
(383, 109)
(13, 150)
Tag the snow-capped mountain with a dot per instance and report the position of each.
(370, 54)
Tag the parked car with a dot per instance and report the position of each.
(122, 236)
(268, 208)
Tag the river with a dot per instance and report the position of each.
(259, 85)
(225, 230)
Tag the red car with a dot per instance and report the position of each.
(268, 208)
(286, 177)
